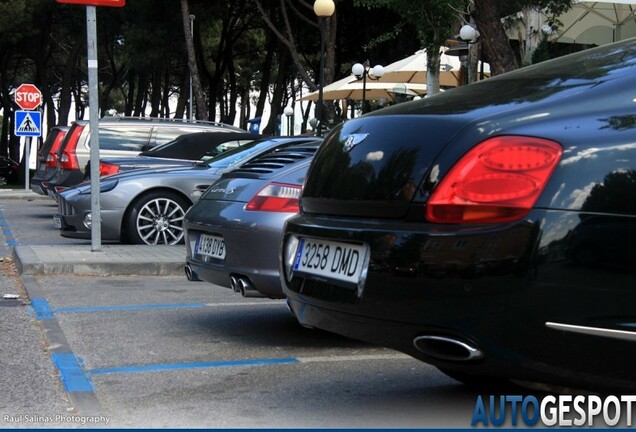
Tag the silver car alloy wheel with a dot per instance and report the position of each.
(160, 221)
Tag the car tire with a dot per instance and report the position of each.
(156, 218)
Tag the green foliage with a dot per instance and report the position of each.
(542, 52)
(433, 20)
(14, 21)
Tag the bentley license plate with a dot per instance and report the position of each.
(331, 260)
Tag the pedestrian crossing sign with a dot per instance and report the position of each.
(28, 123)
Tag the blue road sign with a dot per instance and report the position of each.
(28, 123)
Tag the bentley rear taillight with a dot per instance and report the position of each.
(497, 181)
(276, 197)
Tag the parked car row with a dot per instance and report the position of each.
(185, 150)
(488, 230)
(118, 137)
(148, 206)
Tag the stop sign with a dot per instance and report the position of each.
(28, 97)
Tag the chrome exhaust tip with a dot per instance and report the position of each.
(190, 273)
(234, 283)
(447, 348)
(247, 289)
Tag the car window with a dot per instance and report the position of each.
(163, 135)
(123, 138)
(163, 147)
(222, 148)
(234, 156)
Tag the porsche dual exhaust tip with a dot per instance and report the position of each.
(190, 273)
(247, 289)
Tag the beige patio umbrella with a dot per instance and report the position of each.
(351, 88)
(590, 22)
(598, 22)
(412, 69)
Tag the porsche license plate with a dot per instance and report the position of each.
(211, 246)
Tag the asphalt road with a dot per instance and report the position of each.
(163, 352)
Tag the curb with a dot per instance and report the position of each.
(22, 194)
(111, 260)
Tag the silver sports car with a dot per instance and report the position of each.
(148, 206)
(234, 231)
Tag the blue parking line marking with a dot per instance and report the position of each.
(195, 365)
(71, 373)
(42, 309)
(6, 230)
(128, 307)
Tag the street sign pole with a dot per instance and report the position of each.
(27, 124)
(93, 109)
(93, 102)
(27, 158)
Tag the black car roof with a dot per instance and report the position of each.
(193, 146)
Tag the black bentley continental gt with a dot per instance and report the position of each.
(489, 230)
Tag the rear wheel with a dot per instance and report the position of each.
(157, 218)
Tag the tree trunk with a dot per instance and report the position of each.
(140, 99)
(165, 92)
(182, 102)
(433, 58)
(4, 142)
(5, 104)
(497, 50)
(231, 113)
(155, 93)
(130, 97)
(199, 97)
(279, 91)
(533, 20)
(245, 106)
(272, 45)
(67, 81)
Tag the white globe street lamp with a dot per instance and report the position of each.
(469, 33)
(289, 112)
(364, 71)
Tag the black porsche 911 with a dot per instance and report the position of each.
(489, 230)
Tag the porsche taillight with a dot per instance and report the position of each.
(276, 197)
(499, 180)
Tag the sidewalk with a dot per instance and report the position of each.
(80, 259)
(21, 193)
